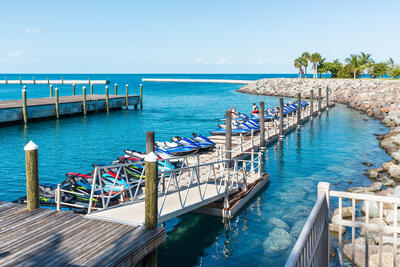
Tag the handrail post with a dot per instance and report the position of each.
(58, 197)
(151, 194)
(228, 136)
(51, 90)
(91, 88)
(260, 165)
(24, 105)
(252, 160)
(323, 189)
(298, 110)
(73, 89)
(116, 89)
(32, 175)
(262, 124)
(281, 118)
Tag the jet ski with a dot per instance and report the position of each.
(177, 149)
(203, 145)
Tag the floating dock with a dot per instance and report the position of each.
(197, 81)
(11, 111)
(45, 237)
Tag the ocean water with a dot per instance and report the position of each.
(331, 148)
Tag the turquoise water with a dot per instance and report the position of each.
(331, 148)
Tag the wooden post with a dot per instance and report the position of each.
(33, 80)
(51, 90)
(84, 99)
(311, 104)
(327, 98)
(5, 80)
(116, 89)
(32, 175)
(281, 118)
(228, 135)
(141, 96)
(48, 81)
(151, 194)
(57, 104)
(73, 89)
(107, 99)
(91, 88)
(262, 124)
(298, 110)
(24, 105)
(20, 81)
(127, 96)
(319, 100)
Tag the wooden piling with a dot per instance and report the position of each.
(141, 96)
(281, 118)
(73, 89)
(33, 80)
(116, 89)
(327, 98)
(32, 175)
(311, 104)
(298, 110)
(107, 99)
(20, 80)
(91, 88)
(51, 90)
(5, 80)
(262, 124)
(48, 81)
(127, 96)
(24, 105)
(62, 80)
(319, 100)
(84, 99)
(57, 104)
(150, 142)
(228, 135)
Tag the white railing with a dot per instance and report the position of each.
(312, 246)
(126, 183)
(382, 229)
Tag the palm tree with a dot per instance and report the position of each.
(298, 63)
(354, 62)
(365, 61)
(321, 66)
(306, 57)
(315, 58)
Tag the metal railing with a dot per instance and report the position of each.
(120, 183)
(382, 228)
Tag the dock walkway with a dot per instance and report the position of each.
(49, 238)
(197, 81)
(205, 179)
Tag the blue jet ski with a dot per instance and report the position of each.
(203, 145)
(177, 149)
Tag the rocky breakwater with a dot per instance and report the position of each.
(378, 98)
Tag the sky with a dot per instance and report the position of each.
(218, 36)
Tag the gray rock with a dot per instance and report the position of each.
(371, 174)
(277, 241)
(355, 190)
(394, 171)
(396, 156)
(375, 187)
(373, 208)
(396, 191)
(278, 223)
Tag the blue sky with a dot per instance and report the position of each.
(190, 36)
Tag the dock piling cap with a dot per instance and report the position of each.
(151, 157)
(31, 146)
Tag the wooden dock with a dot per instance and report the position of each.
(197, 81)
(11, 111)
(59, 81)
(45, 237)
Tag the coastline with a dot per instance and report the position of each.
(377, 98)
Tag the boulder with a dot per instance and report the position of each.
(278, 240)
(386, 165)
(375, 187)
(356, 190)
(371, 174)
(396, 155)
(373, 208)
(346, 212)
(278, 223)
(394, 171)
(368, 164)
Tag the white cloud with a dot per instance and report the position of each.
(223, 61)
(31, 30)
(262, 61)
(14, 54)
(199, 60)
